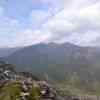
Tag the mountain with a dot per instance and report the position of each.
(7, 51)
(58, 61)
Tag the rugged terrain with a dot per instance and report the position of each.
(16, 85)
(23, 85)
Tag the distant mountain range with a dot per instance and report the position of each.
(7, 51)
(58, 61)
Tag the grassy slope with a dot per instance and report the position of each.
(13, 90)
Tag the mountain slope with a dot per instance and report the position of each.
(7, 51)
(58, 60)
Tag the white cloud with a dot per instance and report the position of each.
(78, 23)
(38, 17)
(13, 32)
(9, 25)
(25, 38)
(75, 21)
(28, 37)
(91, 13)
(1, 11)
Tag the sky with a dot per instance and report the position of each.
(27, 22)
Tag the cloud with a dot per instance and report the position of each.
(75, 21)
(1, 11)
(28, 37)
(25, 38)
(41, 16)
(38, 17)
(14, 32)
(78, 23)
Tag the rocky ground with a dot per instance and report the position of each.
(24, 86)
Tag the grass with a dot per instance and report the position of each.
(65, 88)
(12, 91)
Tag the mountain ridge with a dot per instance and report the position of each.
(57, 60)
(7, 51)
